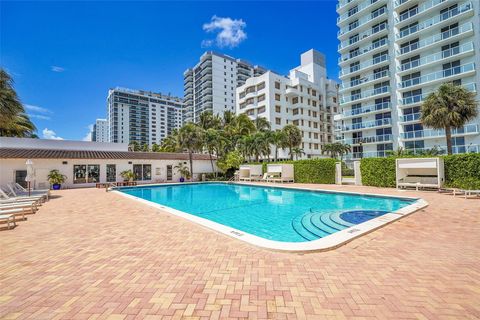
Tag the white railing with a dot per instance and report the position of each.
(410, 117)
(364, 65)
(420, 97)
(350, 42)
(370, 139)
(431, 133)
(368, 109)
(435, 20)
(365, 94)
(436, 38)
(363, 50)
(374, 76)
(421, 8)
(438, 75)
(437, 57)
(362, 21)
(367, 124)
(472, 148)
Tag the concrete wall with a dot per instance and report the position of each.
(43, 166)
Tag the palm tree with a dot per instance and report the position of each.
(298, 152)
(14, 122)
(450, 107)
(330, 149)
(183, 170)
(262, 124)
(293, 137)
(277, 138)
(211, 141)
(208, 120)
(170, 143)
(190, 138)
(400, 152)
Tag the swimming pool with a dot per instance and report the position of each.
(275, 214)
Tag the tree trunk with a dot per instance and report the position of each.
(291, 153)
(448, 136)
(211, 161)
(191, 164)
(276, 153)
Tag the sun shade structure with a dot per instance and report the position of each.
(420, 173)
(250, 172)
(282, 172)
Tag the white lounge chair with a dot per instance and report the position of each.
(31, 206)
(14, 212)
(9, 218)
(19, 192)
(18, 187)
(470, 193)
(7, 196)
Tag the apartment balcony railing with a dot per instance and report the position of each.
(362, 66)
(435, 20)
(431, 133)
(367, 125)
(458, 31)
(365, 94)
(410, 117)
(472, 148)
(367, 154)
(372, 77)
(439, 75)
(439, 56)
(363, 36)
(364, 50)
(368, 109)
(418, 10)
(343, 3)
(360, 9)
(370, 139)
(366, 19)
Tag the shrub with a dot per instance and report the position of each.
(462, 170)
(312, 170)
(378, 172)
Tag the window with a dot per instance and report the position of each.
(450, 49)
(261, 98)
(410, 12)
(142, 171)
(277, 97)
(449, 31)
(294, 100)
(278, 109)
(86, 173)
(378, 11)
(352, 25)
(410, 63)
(278, 121)
(111, 173)
(261, 109)
(451, 68)
(277, 85)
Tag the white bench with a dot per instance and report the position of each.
(9, 218)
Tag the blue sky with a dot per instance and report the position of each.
(64, 56)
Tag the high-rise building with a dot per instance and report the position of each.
(306, 98)
(100, 131)
(393, 54)
(142, 116)
(211, 84)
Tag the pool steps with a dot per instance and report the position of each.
(314, 225)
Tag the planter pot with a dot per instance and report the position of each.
(56, 186)
(182, 179)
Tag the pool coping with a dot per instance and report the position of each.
(329, 242)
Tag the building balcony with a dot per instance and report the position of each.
(441, 19)
(364, 36)
(442, 75)
(342, 4)
(368, 94)
(354, 84)
(367, 154)
(361, 9)
(469, 129)
(443, 56)
(362, 52)
(472, 148)
(366, 65)
(372, 109)
(407, 17)
(438, 39)
(369, 140)
(291, 92)
(366, 20)
(418, 99)
(367, 125)
(413, 117)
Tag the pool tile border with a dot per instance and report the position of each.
(330, 242)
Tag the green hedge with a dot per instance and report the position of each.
(378, 172)
(461, 171)
(312, 170)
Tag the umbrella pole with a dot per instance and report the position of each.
(29, 190)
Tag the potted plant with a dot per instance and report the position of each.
(127, 175)
(183, 171)
(56, 179)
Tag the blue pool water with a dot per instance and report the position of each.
(280, 214)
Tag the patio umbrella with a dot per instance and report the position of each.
(30, 174)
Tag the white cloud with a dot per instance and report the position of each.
(57, 69)
(88, 136)
(38, 109)
(39, 116)
(230, 32)
(50, 134)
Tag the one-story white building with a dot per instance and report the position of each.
(86, 163)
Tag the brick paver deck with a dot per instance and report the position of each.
(88, 254)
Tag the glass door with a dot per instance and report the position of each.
(20, 176)
(169, 173)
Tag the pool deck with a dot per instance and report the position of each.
(88, 254)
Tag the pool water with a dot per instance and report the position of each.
(280, 214)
